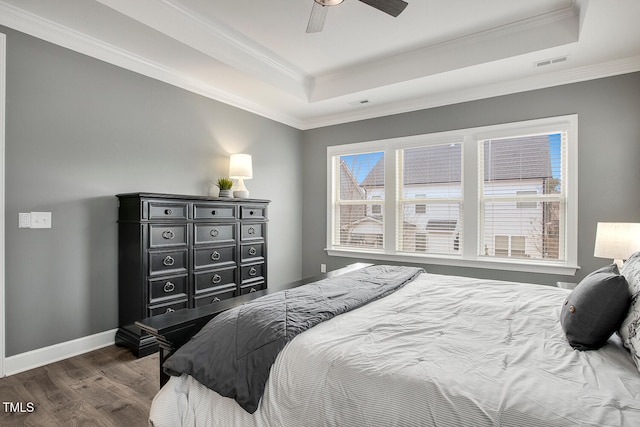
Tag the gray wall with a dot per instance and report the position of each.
(79, 131)
(609, 152)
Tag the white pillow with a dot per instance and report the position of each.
(630, 328)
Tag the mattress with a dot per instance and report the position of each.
(442, 351)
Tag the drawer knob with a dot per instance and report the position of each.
(253, 271)
(251, 230)
(168, 261)
(168, 234)
(215, 255)
(168, 211)
(214, 212)
(170, 310)
(169, 287)
(214, 232)
(250, 212)
(252, 290)
(252, 251)
(216, 299)
(216, 279)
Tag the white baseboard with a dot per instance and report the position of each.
(43, 356)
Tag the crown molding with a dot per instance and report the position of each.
(47, 30)
(541, 32)
(60, 35)
(551, 79)
(216, 40)
(239, 42)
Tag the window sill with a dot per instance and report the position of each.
(493, 264)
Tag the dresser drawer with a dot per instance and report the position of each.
(167, 235)
(252, 251)
(252, 272)
(215, 233)
(185, 251)
(208, 280)
(167, 210)
(252, 231)
(211, 298)
(167, 261)
(168, 287)
(167, 308)
(205, 211)
(248, 212)
(212, 257)
(253, 287)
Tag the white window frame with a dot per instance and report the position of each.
(470, 254)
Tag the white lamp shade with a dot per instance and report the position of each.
(240, 166)
(617, 240)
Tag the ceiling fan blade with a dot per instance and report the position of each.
(391, 7)
(316, 20)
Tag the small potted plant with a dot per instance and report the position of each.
(225, 184)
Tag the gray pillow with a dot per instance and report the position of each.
(595, 308)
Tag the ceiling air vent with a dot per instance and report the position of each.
(550, 61)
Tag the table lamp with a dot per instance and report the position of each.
(617, 240)
(240, 168)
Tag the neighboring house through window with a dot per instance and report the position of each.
(421, 208)
(376, 209)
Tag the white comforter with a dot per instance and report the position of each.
(442, 351)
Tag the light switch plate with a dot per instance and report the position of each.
(24, 220)
(40, 219)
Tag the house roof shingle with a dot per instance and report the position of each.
(527, 157)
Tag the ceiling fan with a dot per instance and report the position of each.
(319, 11)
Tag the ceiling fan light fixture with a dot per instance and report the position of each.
(328, 2)
(319, 11)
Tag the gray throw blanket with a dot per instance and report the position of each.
(234, 352)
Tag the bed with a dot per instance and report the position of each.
(438, 351)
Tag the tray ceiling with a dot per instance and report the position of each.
(257, 56)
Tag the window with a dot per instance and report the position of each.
(359, 200)
(501, 246)
(421, 208)
(421, 242)
(509, 246)
(430, 194)
(376, 209)
(518, 246)
(522, 194)
(526, 205)
(500, 196)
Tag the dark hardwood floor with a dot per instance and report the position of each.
(106, 387)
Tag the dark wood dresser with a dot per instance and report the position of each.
(180, 252)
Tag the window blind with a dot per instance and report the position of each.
(430, 199)
(358, 214)
(522, 196)
(498, 196)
